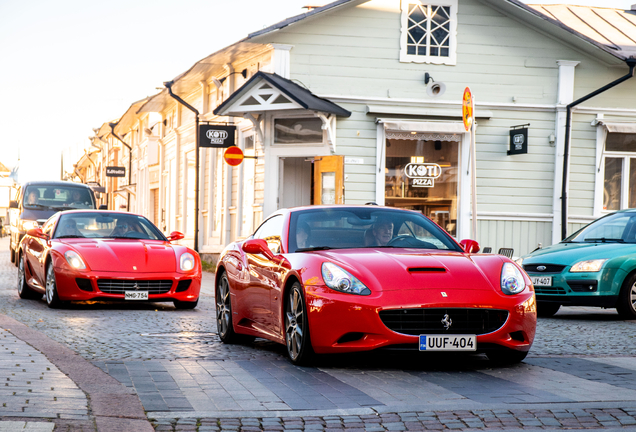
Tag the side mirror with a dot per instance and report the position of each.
(13, 204)
(470, 246)
(259, 246)
(103, 207)
(37, 233)
(175, 235)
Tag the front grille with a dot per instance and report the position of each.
(549, 268)
(118, 286)
(549, 290)
(429, 320)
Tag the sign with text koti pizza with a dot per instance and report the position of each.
(216, 136)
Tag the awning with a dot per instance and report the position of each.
(617, 127)
(412, 126)
(271, 92)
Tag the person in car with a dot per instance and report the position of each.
(122, 228)
(380, 233)
(303, 231)
(68, 228)
(32, 198)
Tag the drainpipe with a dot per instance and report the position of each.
(112, 128)
(168, 85)
(566, 152)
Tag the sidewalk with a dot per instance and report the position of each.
(46, 385)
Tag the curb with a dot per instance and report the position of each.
(113, 407)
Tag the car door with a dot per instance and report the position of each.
(264, 276)
(36, 251)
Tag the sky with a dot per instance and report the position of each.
(68, 66)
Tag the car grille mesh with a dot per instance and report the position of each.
(119, 286)
(549, 268)
(429, 320)
(549, 290)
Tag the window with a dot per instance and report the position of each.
(298, 131)
(619, 181)
(271, 231)
(429, 32)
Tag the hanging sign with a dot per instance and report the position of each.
(423, 174)
(216, 136)
(518, 139)
(467, 109)
(115, 171)
(233, 156)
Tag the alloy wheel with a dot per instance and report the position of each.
(50, 285)
(294, 321)
(223, 308)
(632, 297)
(21, 276)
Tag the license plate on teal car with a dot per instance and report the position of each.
(541, 280)
(448, 342)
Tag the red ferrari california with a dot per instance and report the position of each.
(106, 255)
(333, 279)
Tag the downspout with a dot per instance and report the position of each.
(566, 151)
(112, 128)
(168, 85)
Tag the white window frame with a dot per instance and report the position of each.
(599, 190)
(414, 58)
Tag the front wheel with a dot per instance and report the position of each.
(506, 357)
(52, 298)
(185, 304)
(224, 326)
(24, 291)
(626, 305)
(547, 309)
(297, 336)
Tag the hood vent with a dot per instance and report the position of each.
(427, 270)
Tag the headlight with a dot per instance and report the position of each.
(512, 281)
(74, 260)
(339, 279)
(186, 263)
(519, 261)
(29, 224)
(588, 266)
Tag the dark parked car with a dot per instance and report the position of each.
(37, 201)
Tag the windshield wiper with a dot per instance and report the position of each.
(36, 206)
(604, 240)
(314, 248)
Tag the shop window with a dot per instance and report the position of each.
(619, 178)
(422, 174)
(298, 130)
(429, 31)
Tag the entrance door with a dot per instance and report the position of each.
(295, 182)
(329, 180)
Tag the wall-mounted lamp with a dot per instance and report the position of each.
(434, 89)
(551, 139)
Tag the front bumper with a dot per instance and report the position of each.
(581, 289)
(341, 322)
(69, 282)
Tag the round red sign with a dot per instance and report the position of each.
(233, 156)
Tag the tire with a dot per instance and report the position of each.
(24, 291)
(224, 325)
(12, 254)
(506, 357)
(297, 338)
(547, 309)
(185, 304)
(626, 305)
(52, 297)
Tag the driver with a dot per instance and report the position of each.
(122, 227)
(382, 232)
(32, 197)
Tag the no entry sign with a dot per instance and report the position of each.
(233, 156)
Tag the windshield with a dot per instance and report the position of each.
(58, 198)
(370, 227)
(106, 225)
(614, 228)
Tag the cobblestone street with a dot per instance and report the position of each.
(580, 374)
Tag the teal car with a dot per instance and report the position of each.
(595, 266)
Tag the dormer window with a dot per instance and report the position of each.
(429, 31)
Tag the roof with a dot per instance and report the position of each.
(615, 29)
(4, 168)
(128, 120)
(293, 91)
